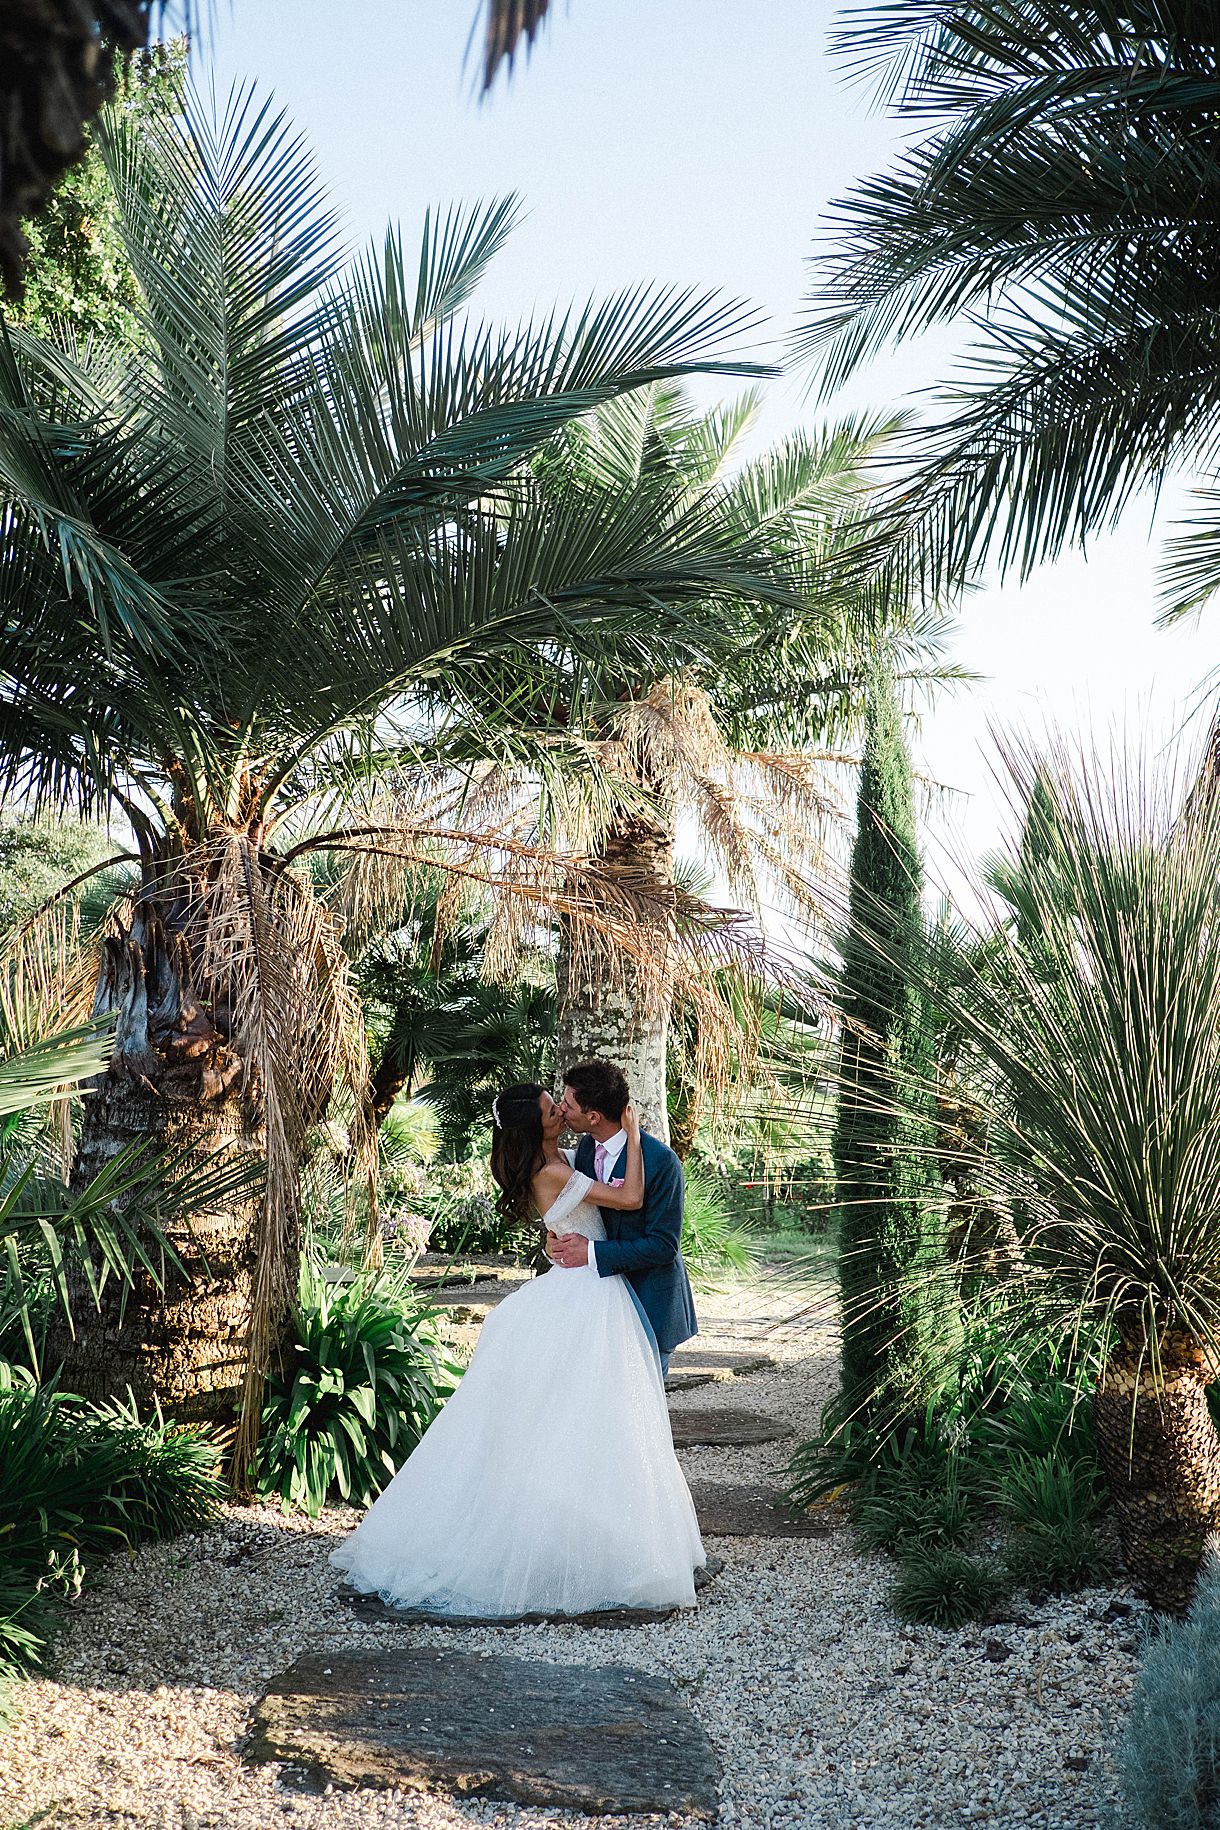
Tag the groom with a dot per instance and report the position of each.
(645, 1245)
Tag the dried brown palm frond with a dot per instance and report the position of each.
(271, 955)
(507, 23)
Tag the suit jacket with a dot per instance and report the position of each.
(644, 1244)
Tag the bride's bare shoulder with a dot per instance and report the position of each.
(552, 1177)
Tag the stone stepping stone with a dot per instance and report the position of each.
(724, 1429)
(579, 1737)
(463, 1274)
(727, 1511)
(471, 1304)
(697, 1365)
(373, 1608)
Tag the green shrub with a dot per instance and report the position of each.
(77, 1480)
(1171, 1750)
(942, 1588)
(458, 1201)
(1056, 1558)
(901, 1521)
(1055, 1491)
(714, 1243)
(360, 1385)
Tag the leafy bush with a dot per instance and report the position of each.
(942, 1588)
(713, 1242)
(360, 1385)
(75, 1481)
(1057, 1491)
(1047, 1558)
(901, 1520)
(1171, 1752)
(1014, 1439)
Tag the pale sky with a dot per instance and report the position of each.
(697, 142)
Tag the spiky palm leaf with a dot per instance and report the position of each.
(1060, 194)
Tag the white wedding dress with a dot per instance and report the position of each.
(548, 1483)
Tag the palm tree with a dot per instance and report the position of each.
(749, 746)
(249, 566)
(1095, 1011)
(1061, 191)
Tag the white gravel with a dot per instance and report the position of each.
(826, 1712)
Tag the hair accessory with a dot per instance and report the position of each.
(495, 1111)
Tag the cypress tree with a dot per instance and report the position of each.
(888, 1193)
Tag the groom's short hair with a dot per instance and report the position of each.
(600, 1087)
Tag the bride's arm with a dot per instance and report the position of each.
(631, 1194)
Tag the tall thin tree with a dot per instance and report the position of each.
(891, 1214)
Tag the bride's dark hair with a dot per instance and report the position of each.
(516, 1149)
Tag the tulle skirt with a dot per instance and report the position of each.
(548, 1484)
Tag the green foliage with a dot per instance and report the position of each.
(1009, 1443)
(943, 1588)
(1098, 1011)
(714, 1243)
(441, 1030)
(1052, 1502)
(902, 1520)
(890, 1217)
(1171, 1749)
(360, 1384)
(78, 276)
(78, 1480)
(38, 857)
(458, 1199)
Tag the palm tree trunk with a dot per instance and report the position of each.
(614, 1003)
(1161, 1457)
(173, 1085)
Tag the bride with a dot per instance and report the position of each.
(548, 1484)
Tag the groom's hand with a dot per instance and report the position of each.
(552, 1246)
(571, 1250)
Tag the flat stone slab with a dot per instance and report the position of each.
(373, 1608)
(470, 1303)
(750, 1512)
(687, 1382)
(724, 1429)
(717, 1363)
(583, 1738)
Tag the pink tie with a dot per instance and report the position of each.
(599, 1162)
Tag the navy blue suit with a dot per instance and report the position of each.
(644, 1244)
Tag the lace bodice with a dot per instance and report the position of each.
(572, 1213)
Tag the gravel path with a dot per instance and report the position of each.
(826, 1712)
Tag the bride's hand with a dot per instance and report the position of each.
(631, 1123)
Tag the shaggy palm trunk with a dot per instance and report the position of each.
(173, 1084)
(1161, 1457)
(614, 1003)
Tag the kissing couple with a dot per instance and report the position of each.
(548, 1484)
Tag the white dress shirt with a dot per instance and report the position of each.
(614, 1148)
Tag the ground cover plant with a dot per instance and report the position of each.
(995, 1484)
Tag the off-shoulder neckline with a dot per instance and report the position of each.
(588, 1182)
